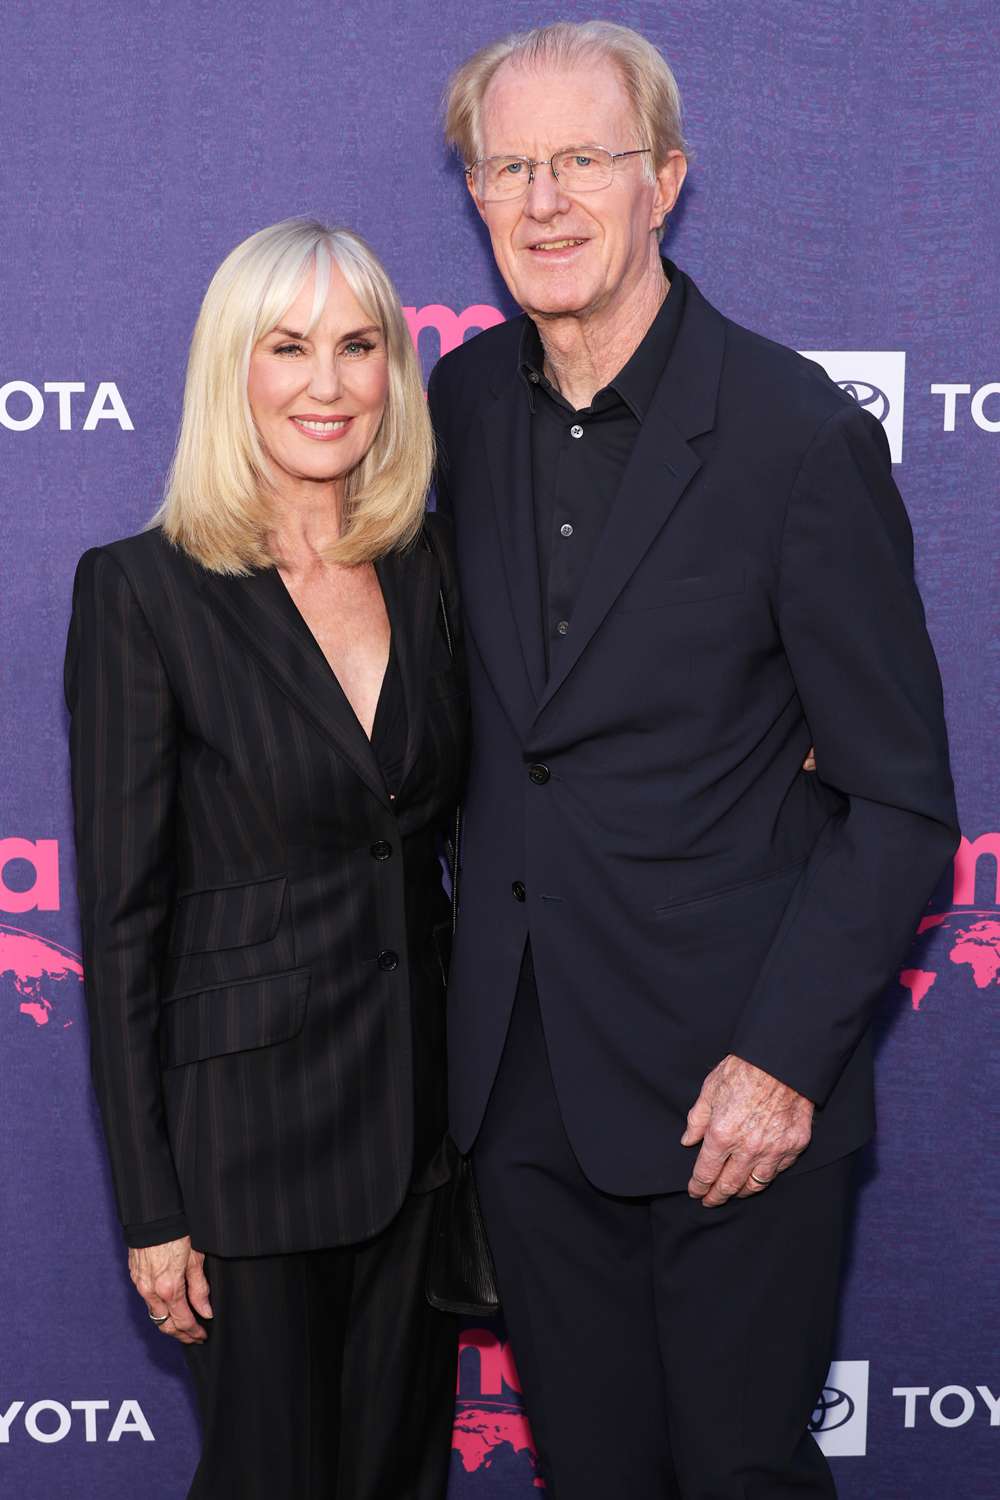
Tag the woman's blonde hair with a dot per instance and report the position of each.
(648, 80)
(217, 503)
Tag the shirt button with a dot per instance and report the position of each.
(517, 890)
(539, 774)
(563, 627)
(387, 960)
(381, 849)
(566, 529)
(576, 431)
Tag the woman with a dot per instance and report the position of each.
(268, 736)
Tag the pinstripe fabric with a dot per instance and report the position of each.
(251, 1051)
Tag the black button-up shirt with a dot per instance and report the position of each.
(578, 459)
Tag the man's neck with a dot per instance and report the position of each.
(583, 353)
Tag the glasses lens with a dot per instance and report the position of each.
(501, 177)
(583, 171)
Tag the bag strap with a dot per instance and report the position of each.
(456, 838)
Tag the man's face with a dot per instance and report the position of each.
(600, 243)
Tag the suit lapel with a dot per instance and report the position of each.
(507, 440)
(262, 613)
(410, 584)
(660, 468)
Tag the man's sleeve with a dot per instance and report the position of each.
(853, 630)
(123, 738)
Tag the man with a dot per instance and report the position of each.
(683, 559)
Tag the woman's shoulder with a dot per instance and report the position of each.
(145, 555)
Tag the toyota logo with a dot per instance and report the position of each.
(833, 1409)
(867, 395)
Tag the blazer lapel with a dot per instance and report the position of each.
(659, 470)
(410, 585)
(262, 613)
(507, 441)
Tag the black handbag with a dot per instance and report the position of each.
(460, 1274)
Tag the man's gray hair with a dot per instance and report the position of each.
(648, 80)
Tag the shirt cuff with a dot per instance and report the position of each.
(155, 1231)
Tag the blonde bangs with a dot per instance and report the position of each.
(217, 500)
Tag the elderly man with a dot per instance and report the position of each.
(683, 559)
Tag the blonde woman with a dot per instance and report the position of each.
(268, 736)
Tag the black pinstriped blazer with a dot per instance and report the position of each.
(260, 921)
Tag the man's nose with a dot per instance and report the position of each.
(545, 196)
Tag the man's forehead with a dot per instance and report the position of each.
(534, 108)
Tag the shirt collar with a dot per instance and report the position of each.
(636, 382)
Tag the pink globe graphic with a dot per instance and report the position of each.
(965, 944)
(41, 982)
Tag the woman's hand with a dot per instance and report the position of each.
(809, 764)
(170, 1279)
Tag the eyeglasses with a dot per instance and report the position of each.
(579, 170)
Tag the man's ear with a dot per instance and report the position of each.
(479, 207)
(669, 181)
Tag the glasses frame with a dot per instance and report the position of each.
(548, 162)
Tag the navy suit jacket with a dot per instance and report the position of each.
(690, 891)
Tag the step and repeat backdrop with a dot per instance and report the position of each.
(843, 200)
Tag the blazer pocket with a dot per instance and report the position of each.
(661, 593)
(233, 1017)
(227, 916)
(740, 888)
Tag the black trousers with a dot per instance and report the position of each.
(666, 1351)
(327, 1375)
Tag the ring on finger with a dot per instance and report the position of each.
(761, 1181)
(154, 1319)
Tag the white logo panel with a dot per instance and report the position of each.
(839, 1421)
(876, 379)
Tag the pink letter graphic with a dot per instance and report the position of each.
(970, 852)
(43, 893)
(451, 327)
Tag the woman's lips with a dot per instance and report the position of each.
(322, 429)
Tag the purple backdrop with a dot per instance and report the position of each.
(843, 200)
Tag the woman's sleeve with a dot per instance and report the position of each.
(123, 754)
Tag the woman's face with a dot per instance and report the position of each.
(317, 402)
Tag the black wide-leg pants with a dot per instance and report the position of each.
(326, 1374)
(666, 1351)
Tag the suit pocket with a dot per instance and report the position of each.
(228, 916)
(648, 591)
(788, 874)
(233, 1017)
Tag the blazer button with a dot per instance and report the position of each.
(517, 890)
(381, 849)
(538, 774)
(387, 960)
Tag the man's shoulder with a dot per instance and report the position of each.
(465, 372)
(772, 379)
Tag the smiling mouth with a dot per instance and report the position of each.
(556, 244)
(326, 428)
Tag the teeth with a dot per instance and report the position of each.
(319, 426)
(557, 245)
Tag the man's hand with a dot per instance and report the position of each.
(809, 764)
(747, 1122)
(171, 1279)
